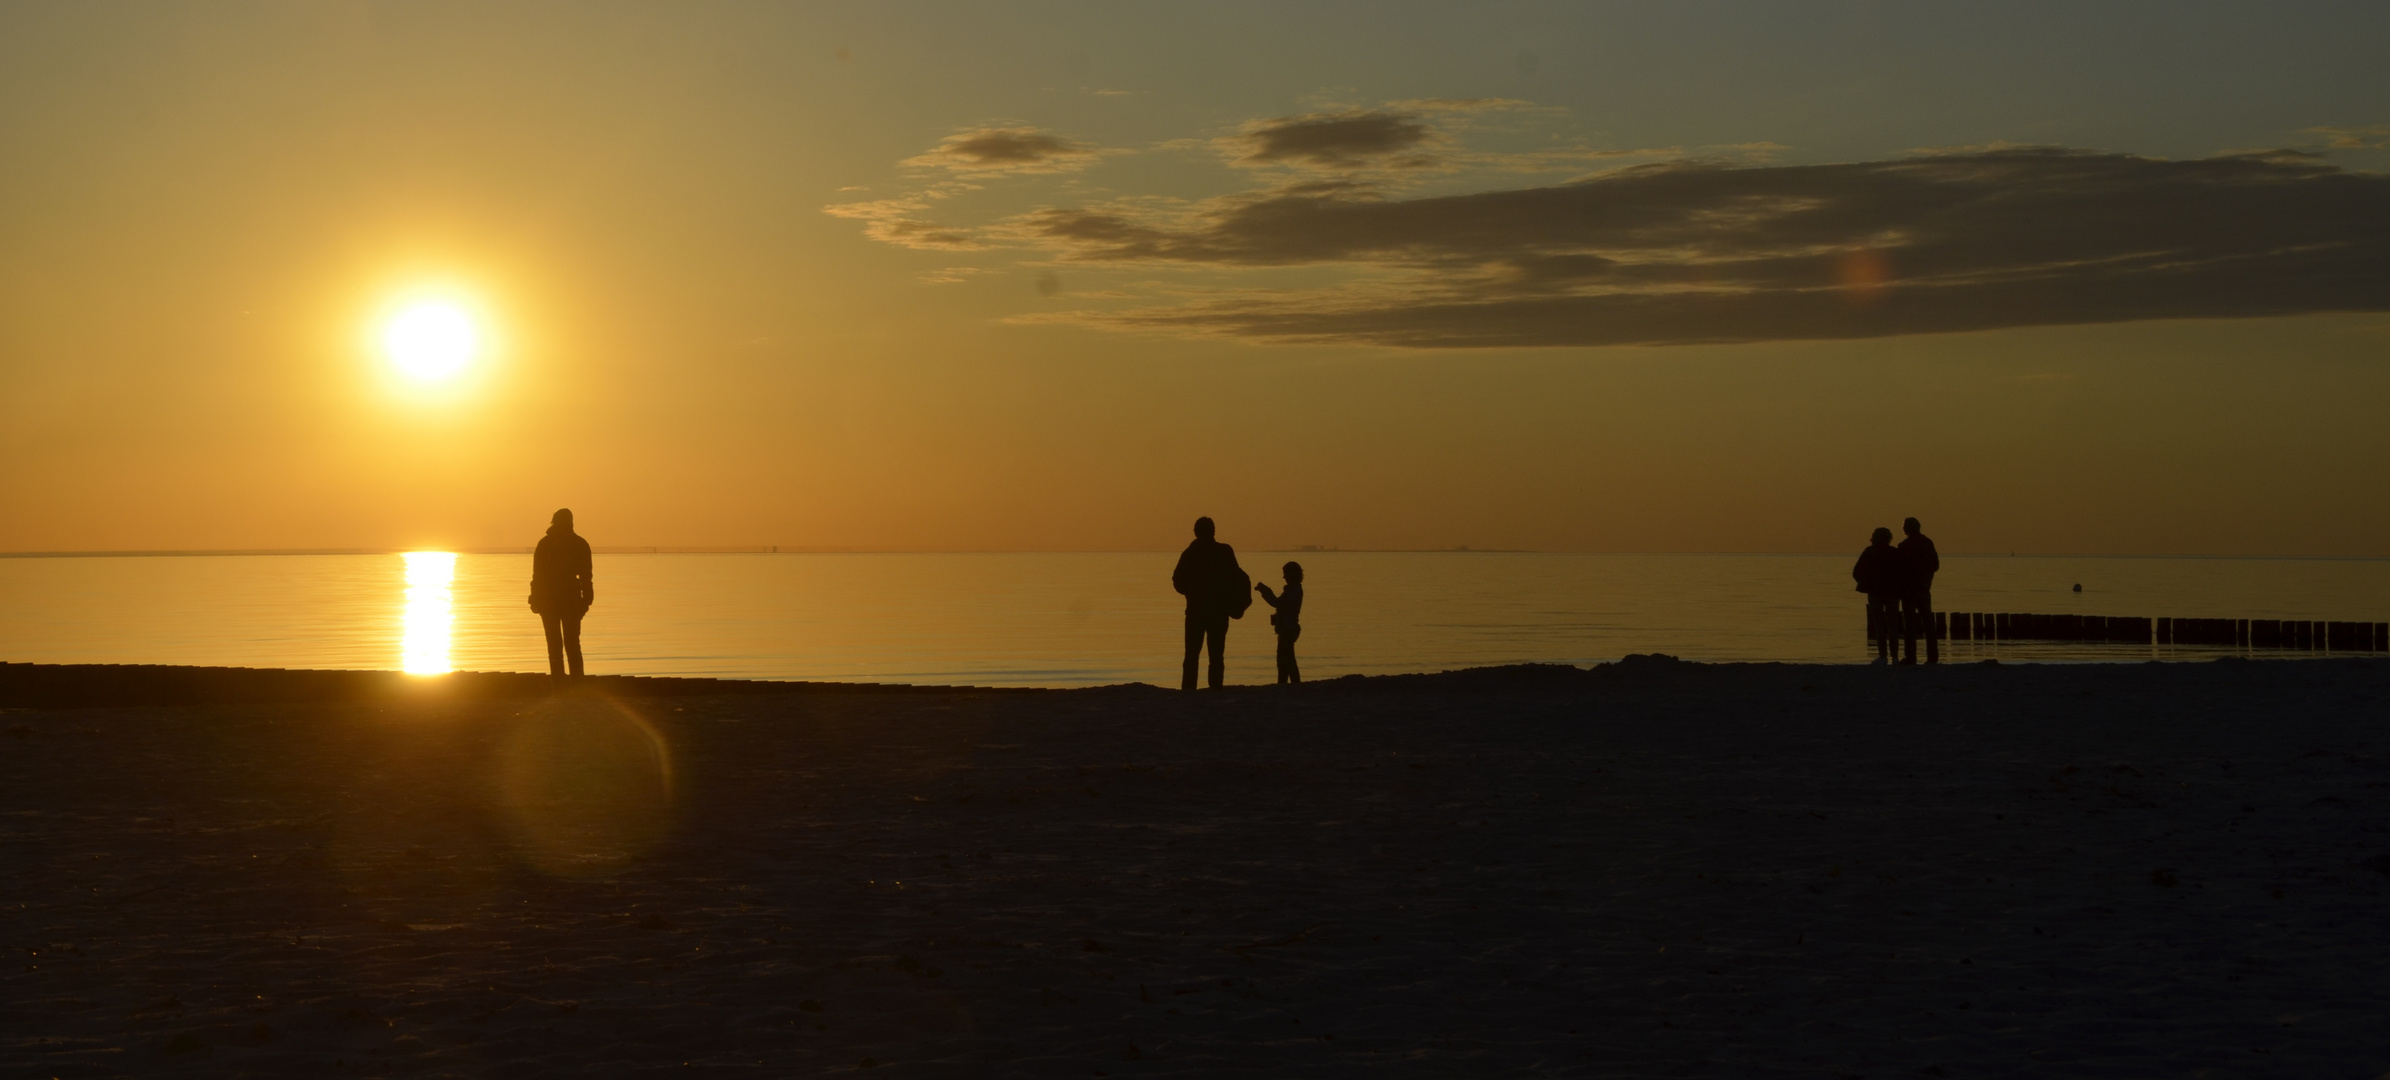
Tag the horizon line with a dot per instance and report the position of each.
(1303, 549)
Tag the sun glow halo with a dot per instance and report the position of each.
(431, 338)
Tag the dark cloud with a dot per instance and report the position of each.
(1709, 253)
(1345, 140)
(1006, 149)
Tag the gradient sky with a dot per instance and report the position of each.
(2085, 278)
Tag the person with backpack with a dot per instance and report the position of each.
(1217, 590)
(562, 588)
(1882, 575)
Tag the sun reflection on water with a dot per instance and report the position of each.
(424, 646)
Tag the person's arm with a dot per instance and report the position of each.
(1270, 597)
(588, 575)
(1178, 576)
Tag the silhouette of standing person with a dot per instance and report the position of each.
(562, 589)
(1214, 585)
(1882, 577)
(1287, 619)
(1922, 562)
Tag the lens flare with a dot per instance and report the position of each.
(423, 648)
(586, 783)
(1863, 275)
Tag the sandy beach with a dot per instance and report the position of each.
(1646, 869)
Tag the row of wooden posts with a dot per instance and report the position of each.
(2134, 630)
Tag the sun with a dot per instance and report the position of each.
(431, 338)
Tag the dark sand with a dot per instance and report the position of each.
(1650, 869)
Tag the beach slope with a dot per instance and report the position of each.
(1647, 869)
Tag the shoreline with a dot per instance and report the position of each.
(171, 685)
(55, 686)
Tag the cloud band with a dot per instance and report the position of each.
(1681, 251)
(1685, 253)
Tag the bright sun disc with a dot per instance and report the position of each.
(431, 339)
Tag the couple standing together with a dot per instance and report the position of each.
(1899, 583)
(1216, 589)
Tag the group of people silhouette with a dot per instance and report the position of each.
(1218, 590)
(1899, 583)
(563, 586)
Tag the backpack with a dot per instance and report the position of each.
(1236, 590)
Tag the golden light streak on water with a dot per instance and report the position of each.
(430, 610)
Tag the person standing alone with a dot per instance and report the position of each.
(562, 589)
(1920, 562)
(1216, 591)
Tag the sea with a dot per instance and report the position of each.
(1084, 619)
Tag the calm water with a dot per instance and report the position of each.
(1077, 619)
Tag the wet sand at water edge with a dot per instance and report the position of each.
(1646, 869)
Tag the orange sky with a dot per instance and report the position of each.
(919, 278)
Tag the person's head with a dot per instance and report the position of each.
(1293, 572)
(1910, 527)
(561, 521)
(1882, 537)
(1203, 528)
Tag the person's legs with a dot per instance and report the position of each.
(1216, 636)
(572, 643)
(1915, 619)
(555, 631)
(1924, 603)
(1883, 625)
(1194, 650)
(1287, 671)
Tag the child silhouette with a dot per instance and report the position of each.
(1290, 611)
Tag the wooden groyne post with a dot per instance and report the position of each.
(2298, 635)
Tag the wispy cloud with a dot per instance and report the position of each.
(1344, 140)
(2375, 137)
(996, 150)
(966, 159)
(1417, 134)
(899, 221)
